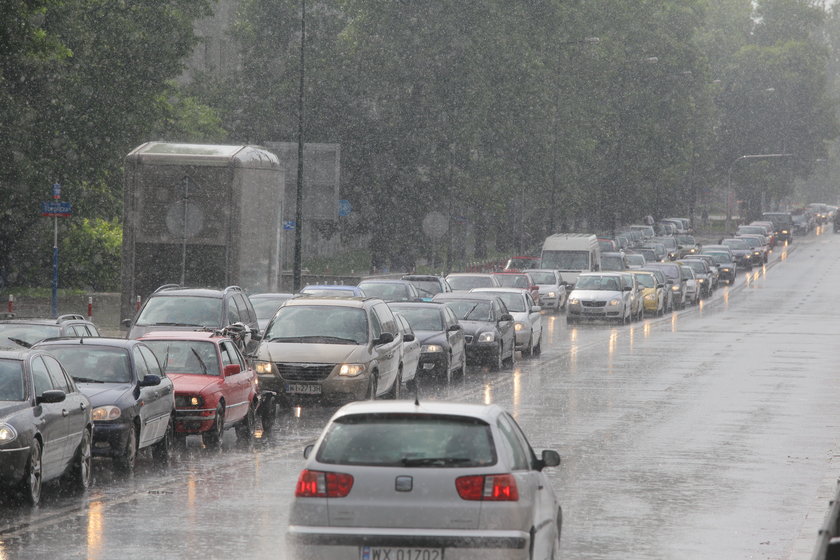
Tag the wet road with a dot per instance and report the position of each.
(708, 434)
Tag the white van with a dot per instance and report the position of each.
(571, 254)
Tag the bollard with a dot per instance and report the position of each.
(11, 308)
(90, 308)
(137, 304)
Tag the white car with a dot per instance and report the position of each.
(692, 286)
(527, 321)
(552, 288)
(600, 295)
(429, 480)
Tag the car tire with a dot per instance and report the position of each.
(125, 462)
(528, 351)
(510, 361)
(213, 437)
(247, 427)
(537, 347)
(33, 481)
(395, 392)
(80, 476)
(268, 414)
(570, 320)
(372, 386)
(162, 450)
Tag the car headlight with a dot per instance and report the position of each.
(784, 231)
(351, 370)
(701, 280)
(262, 367)
(109, 412)
(487, 337)
(614, 301)
(650, 297)
(574, 301)
(551, 294)
(518, 326)
(431, 348)
(7, 433)
(184, 401)
(675, 288)
(726, 269)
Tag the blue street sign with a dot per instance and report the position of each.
(289, 224)
(344, 208)
(56, 208)
(56, 190)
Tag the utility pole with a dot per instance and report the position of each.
(299, 190)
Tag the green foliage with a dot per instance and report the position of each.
(89, 256)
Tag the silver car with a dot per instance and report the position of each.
(431, 480)
(552, 288)
(600, 295)
(526, 316)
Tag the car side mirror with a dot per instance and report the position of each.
(453, 328)
(506, 317)
(535, 309)
(549, 458)
(51, 396)
(408, 337)
(628, 288)
(307, 451)
(256, 335)
(232, 369)
(150, 380)
(385, 338)
(126, 323)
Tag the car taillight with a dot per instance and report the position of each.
(490, 487)
(318, 484)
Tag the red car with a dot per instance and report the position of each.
(215, 388)
(510, 279)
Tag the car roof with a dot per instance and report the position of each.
(501, 289)
(409, 277)
(356, 301)
(485, 412)
(193, 292)
(272, 295)
(45, 321)
(483, 274)
(472, 296)
(434, 304)
(9, 354)
(331, 287)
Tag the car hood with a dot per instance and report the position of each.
(595, 295)
(475, 327)
(312, 353)
(101, 394)
(193, 383)
(431, 337)
(9, 408)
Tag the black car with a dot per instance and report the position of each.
(442, 344)
(133, 401)
(45, 425)
(428, 285)
(172, 308)
(783, 224)
(25, 332)
(488, 327)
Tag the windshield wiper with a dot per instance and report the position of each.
(467, 314)
(200, 361)
(172, 325)
(20, 342)
(421, 461)
(87, 380)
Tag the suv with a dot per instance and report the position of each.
(26, 332)
(331, 349)
(173, 308)
(782, 223)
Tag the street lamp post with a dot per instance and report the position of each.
(729, 180)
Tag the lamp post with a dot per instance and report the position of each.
(299, 190)
(729, 179)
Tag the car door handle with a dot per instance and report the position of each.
(64, 412)
(83, 406)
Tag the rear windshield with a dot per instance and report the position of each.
(421, 318)
(94, 364)
(16, 333)
(543, 277)
(189, 311)
(410, 440)
(470, 310)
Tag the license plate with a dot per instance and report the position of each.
(400, 553)
(591, 310)
(303, 388)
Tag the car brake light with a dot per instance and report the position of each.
(491, 487)
(317, 484)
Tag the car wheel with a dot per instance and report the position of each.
(411, 385)
(570, 320)
(125, 462)
(248, 426)
(213, 437)
(538, 347)
(31, 485)
(371, 393)
(81, 473)
(268, 413)
(162, 450)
